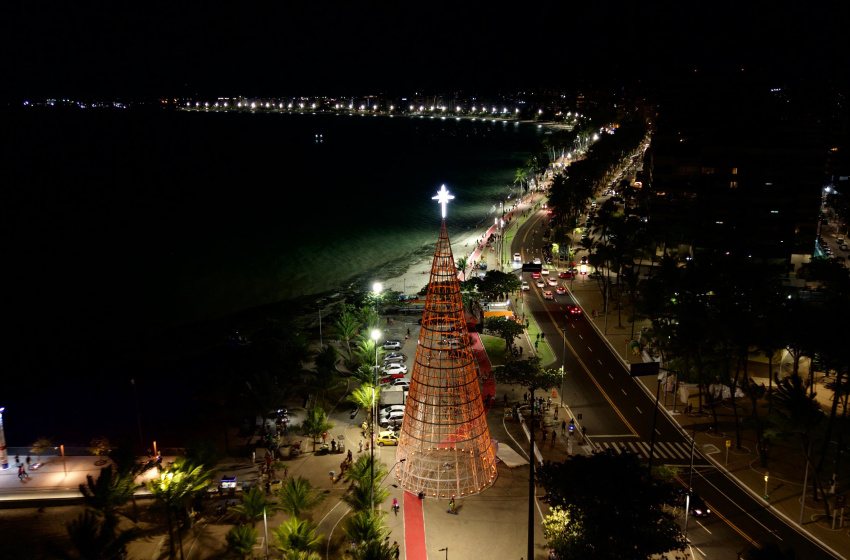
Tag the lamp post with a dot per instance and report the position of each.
(376, 334)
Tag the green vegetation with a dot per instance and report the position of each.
(597, 519)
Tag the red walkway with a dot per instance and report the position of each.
(414, 528)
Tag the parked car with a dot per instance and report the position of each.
(548, 295)
(525, 287)
(394, 358)
(383, 411)
(387, 438)
(391, 418)
(392, 345)
(537, 260)
(390, 378)
(573, 311)
(535, 275)
(401, 382)
(395, 368)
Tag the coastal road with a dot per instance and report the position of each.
(619, 415)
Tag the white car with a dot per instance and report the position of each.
(544, 271)
(385, 411)
(394, 358)
(525, 287)
(395, 368)
(517, 257)
(537, 260)
(401, 383)
(394, 417)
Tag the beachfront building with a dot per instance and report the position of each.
(444, 440)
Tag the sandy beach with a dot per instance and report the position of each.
(466, 245)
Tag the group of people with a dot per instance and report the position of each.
(22, 469)
(344, 466)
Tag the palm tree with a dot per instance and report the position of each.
(297, 495)
(105, 495)
(365, 526)
(316, 423)
(359, 495)
(374, 550)
(347, 326)
(365, 396)
(254, 505)
(462, 262)
(175, 487)
(241, 540)
(301, 555)
(93, 540)
(296, 534)
(361, 470)
(799, 414)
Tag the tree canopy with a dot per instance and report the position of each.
(607, 506)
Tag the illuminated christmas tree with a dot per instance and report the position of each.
(444, 439)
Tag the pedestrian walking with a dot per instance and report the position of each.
(332, 474)
(556, 413)
(361, 446)
(395, 550)
(408, 331)
(525, 398)
(20, 472)
(28, 461)
(548, 403)
(506, 399)
(452, 506)
(24, 472)
(349, 454)
(563, 427)
(542, 336)
(520, 350)
(538, 336)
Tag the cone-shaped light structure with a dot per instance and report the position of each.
(444, 437)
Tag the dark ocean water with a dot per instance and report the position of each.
(119, 224)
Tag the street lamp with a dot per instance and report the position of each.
(376, 334)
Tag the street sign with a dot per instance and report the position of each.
(647, 368)
(728, 443)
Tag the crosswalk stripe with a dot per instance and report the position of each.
(668, 448)
(663, 449)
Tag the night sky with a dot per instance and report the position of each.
(134, 49)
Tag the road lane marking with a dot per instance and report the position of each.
(592, 377)
(611, 376)
(589, 348)
(639, 412)
(600, 363)
(624, 392)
